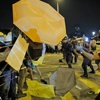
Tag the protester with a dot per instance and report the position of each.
(5, 69)
(5, 73)
(21, 80)
(93, 48)
(93, 45)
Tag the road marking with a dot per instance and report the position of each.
(53, 66)
(49, 74)
(97, 73)
(89, 83)
(68, 96)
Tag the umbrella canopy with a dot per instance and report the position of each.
(17, 53)
(63, 79)
(39, 21)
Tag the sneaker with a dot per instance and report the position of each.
(92, 72)
(85, 76)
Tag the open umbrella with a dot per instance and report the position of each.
(17, 53)
(39, 21)
(63, 80)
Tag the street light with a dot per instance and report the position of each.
(93, 33)
(58, 5)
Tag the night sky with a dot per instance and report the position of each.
(6, 19)
(82, 13)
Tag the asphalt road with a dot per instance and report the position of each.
(83, 85)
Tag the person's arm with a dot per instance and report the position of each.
(90, 56)
(87, 54)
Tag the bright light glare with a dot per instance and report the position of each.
(58, 0)
(86, 39)
(93, 33)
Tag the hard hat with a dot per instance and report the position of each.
(1, 33)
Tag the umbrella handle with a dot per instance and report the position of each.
(41, 76)
(39, 72)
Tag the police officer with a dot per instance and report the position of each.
(68, 56)
(86, 61)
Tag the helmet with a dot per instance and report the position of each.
(1, 34)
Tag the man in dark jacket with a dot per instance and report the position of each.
(67, 47)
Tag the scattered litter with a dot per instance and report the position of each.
(79, 88)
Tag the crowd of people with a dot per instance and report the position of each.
(12, 82)
(70, 49)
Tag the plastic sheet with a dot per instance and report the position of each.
(40, 90)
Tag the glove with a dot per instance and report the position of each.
(79, 48)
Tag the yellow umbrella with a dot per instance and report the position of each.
(39, 21)
(17, 53)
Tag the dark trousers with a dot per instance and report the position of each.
(12, 90)
(69, 59)
(87, 62)
(75, 57)
(5, 84)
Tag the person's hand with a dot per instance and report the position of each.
(79, 47)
